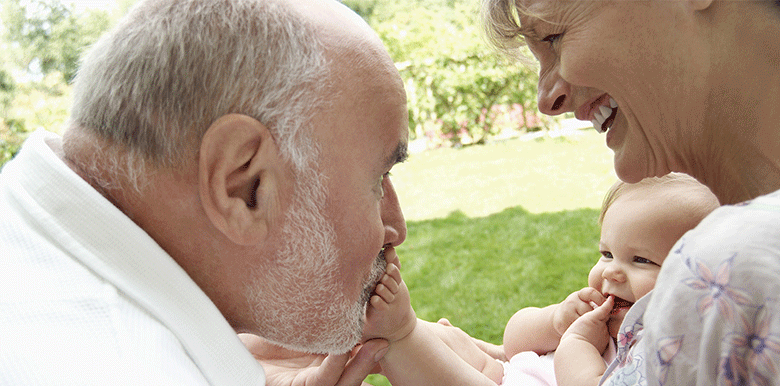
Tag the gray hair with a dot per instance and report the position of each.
(172, 67)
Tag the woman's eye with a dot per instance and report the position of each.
(552, 38)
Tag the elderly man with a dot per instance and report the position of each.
(225, 170)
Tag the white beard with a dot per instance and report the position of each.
(297, 302)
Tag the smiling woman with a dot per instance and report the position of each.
(688, 86)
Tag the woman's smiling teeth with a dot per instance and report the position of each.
(605, 116)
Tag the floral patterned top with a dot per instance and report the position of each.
(714, 316)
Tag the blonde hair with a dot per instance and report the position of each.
(676, 187)
(502, 27)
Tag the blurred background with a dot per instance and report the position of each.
(501, 201)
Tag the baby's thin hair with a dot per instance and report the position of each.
(699, 196)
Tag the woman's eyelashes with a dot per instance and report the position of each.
(552, 38)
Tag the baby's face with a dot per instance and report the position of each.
(636, 235)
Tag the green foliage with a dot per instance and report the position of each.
(12, 134)
(458, 88)
(50, 37)
(42, 41)
(364, 8)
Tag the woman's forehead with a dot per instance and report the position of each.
(533, 12)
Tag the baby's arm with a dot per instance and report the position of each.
(540, 329)
(578, 359)
(417, 354)
(478, 354)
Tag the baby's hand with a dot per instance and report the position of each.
(575, 305)
(390, 314)
(592, 327)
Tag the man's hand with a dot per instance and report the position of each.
(575, 305)
(290, 368)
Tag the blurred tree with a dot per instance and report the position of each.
(9, 141)
(458, 88)
(48, 36)
(42, 41)
(364, 8)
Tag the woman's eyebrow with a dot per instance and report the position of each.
(527, 31)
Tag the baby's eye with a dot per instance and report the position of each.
(606, 254)
(642, 260)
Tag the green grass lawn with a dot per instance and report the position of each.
(499, 227)
(543, 175)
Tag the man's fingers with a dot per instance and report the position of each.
(359, 367)
(331, 370)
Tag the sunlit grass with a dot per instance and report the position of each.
(524, 233)
(542, 175)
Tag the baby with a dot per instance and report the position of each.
(639, 225)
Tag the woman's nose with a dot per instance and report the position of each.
(554, 94)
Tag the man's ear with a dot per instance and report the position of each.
(238, 178)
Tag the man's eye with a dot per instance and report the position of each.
(381, 186)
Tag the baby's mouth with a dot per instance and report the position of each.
(605, 116)
(620, 304)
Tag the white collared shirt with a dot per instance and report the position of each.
(88, 298)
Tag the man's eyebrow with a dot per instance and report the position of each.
(400, 154)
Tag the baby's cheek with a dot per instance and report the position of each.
(643, 288)
(594, 278)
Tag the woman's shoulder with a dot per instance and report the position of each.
(746, 233)
(739, 221)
